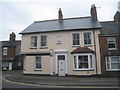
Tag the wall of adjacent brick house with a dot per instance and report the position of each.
(104, 52)
(10, 53)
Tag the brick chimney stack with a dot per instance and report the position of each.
(93, 12)
(12, 37)
(60, 15)
(117, 15)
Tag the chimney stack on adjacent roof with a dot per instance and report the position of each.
(93, 12)
(60, 15)
(117, 15)
(12, 37)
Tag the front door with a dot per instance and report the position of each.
(61, 65)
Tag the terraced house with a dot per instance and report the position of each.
(63, 46)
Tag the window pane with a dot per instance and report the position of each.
(34, 41)
(111, 45)
(76, 39)
(114, 59)
(43, 40)
(61, 57)
(75, 62)
(87, 38)
(111, 39)
(38, 62)
(91, 65)
(114, 66)
(83, 61)
(5, 50)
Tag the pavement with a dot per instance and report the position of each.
(64, 81)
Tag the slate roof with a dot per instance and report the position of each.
(9, 44)
(110, 28)
(82, 50)
(80, 23)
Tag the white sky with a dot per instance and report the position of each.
(16, 15)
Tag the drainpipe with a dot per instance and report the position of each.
(51, 55)
(95, 52)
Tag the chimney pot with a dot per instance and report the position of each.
(12, 37)
(60, 15)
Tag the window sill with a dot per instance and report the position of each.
(75, 45)
(83, 69)
(89, 45)
(112, 48)
(43, 47)
(33, 47)
(38, 70)
(113, 70)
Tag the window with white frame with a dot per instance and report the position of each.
(43, 41)
(59, 40)
(113, 63)
(111, 43)
(87, 38)
(33, 41)
(5, 50)
(83, 62)
(38, 63)
(76, 39)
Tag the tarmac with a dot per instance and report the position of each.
(65, 80)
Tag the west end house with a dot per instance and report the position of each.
(64, 46)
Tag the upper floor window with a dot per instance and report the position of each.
(38, 63)
(111, 43)
(113, 63)
(33, 41)
(59, 40)
(43, 41)
(5, 50)
(83, 62)
(76, 39)
(87, 38)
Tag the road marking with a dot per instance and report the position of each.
(57, 86)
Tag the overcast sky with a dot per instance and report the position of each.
(16, 15)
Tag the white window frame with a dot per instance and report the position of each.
(39, 63)
(5, 51)
(108, 58)
(90, 38)
(33, 41)
(41, 41)
(89, 61)
(72, 38)
(114, 42)
(59, 39)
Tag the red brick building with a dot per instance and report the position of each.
(110, 47)
(10, 53)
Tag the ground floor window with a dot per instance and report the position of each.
(38, 63)
(113, 63)
(83, 61)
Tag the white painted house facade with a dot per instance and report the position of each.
(62, 46)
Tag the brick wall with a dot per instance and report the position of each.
(104, 52)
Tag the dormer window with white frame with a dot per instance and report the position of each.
(59, 40)
(111, 43)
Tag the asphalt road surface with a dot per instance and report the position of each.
(7, 85)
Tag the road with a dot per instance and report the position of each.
(10, 84)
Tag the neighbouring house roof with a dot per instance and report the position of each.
(82, 50)
(79, 23)
(8, 43)
(110, 28)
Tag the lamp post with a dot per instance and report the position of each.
(51, 55)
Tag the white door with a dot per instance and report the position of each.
(10, 66)
(61, 65)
